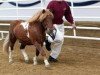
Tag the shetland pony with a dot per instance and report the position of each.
(31, 32)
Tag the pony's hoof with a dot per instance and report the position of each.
(48, 67)
(11, 62)
(35, 63)
(27, 61)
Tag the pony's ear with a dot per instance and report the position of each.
(43, 11)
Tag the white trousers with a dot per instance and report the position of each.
(57, 43)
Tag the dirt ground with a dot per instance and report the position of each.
(73, 60)
(78, 57)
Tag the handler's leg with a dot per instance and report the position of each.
(56, 49)
(57, 45)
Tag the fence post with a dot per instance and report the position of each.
(72, 5)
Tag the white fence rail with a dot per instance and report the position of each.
(2, 34)
(66, 36)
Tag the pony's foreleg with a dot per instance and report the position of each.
(45, 58)
(35, 58)
(22, 48)
(42, 52)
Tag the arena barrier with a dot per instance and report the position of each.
(42, 6)
(66, 36)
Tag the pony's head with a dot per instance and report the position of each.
(45, 17)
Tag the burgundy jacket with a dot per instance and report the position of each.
(60, 9)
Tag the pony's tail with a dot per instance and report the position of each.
(6, 44)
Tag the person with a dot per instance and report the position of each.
(59, 8)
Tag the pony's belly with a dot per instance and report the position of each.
(25, 42)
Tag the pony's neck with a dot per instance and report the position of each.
(37, 24)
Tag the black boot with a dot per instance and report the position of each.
(48, 45)
(51, 59)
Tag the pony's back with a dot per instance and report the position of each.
(14, 23)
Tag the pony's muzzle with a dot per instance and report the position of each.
(52, 33)
(49, 30)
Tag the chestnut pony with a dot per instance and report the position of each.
(31, 32)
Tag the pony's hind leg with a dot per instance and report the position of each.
(10, 55)
(35, 58)
(10, 51)
(22, 48)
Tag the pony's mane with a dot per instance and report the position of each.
(40, 16)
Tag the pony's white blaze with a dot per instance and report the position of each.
(25, 26)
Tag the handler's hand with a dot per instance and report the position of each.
(74, 26)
